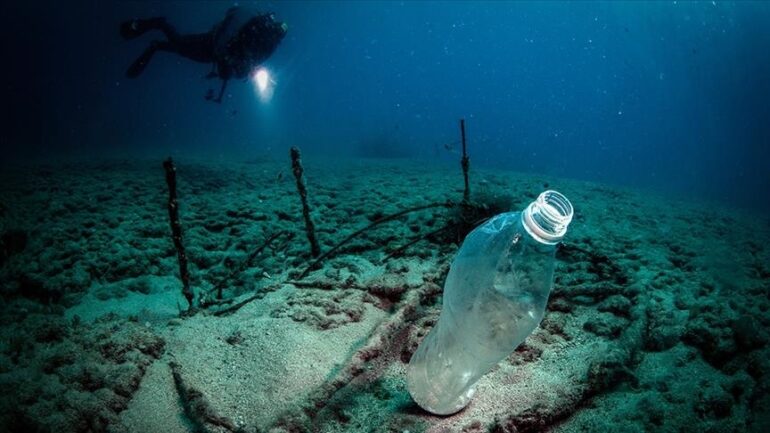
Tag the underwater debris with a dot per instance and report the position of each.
(176, 231)
(296, 167)
(197, 407)
(400, 250)
(470, 216)
(504, 270)
(261, 293)
(377, 222)
(248, 262)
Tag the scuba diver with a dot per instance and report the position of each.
(235, 47)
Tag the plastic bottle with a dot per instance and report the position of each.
(494, 297)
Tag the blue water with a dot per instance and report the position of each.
(667, 96)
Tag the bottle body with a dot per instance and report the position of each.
(494, 297)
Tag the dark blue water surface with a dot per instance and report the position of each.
(669, 96)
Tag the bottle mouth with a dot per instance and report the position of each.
(546, 219)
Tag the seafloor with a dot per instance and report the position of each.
(658, 319)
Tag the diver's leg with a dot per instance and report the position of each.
(198, 47)
(141, 62)
(134, 28)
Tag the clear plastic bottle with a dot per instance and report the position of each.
(494, 297)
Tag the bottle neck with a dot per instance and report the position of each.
(546, 219)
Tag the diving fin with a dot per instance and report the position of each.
(141, 62)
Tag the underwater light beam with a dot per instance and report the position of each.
(263, 82)
(262, 77)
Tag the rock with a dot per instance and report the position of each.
(47, 329)
(33, 287)
(665, 325)
(609, 372)
(616, 304)
(605, 325)
(713, 402)
(524, 354)
(560, 304)
(555, 324)
(759, 364)
(651, 410)
(749, 333)
(760, 415)
(712, 335)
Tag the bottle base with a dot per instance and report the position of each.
(438, 408)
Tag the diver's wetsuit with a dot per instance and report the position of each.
(234, 46)
(198, 46)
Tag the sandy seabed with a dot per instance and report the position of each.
(658, 319)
